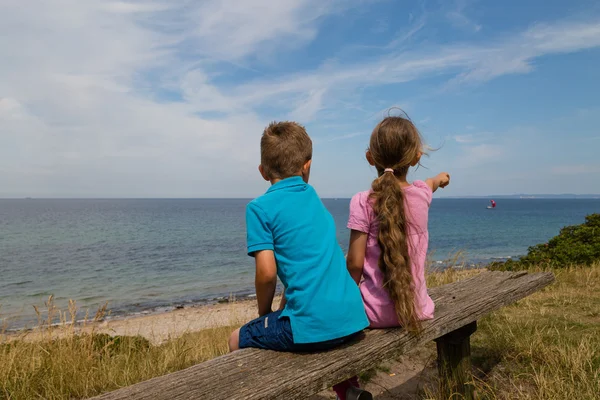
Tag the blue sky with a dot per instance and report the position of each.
(169, 98)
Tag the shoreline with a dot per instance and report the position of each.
(162, 325)
(119, 314)
(156, 327)
(116, 316)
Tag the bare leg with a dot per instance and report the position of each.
(234, 340)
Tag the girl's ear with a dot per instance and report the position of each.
(417, 159)
(262, 173)
(370, 158)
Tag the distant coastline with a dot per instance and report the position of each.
(569, 196)
(528, 196)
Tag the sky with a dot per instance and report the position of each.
(169, 98)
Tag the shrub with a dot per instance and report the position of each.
(577, 244)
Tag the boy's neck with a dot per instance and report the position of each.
(274, 181)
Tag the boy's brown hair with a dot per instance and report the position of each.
(284, 149)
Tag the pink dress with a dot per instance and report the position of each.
(378, 305)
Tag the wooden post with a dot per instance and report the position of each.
(454, 363)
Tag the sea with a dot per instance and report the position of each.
(153, 255)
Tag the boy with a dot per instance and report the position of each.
(292, 235)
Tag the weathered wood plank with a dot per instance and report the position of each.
(454, 363)
(259, 374)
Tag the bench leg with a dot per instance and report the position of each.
(454, 363)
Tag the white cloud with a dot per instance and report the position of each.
(468, 63)
(307, 107)
(234, 29)
(381, 26)
(472, 137)
(415, 28)
(463, 138)
(10, 109)
(121, 98)
(124, 7)
(460, 20)
(231, 29)
(479, 155)
(575, 169)
(345, 136)
(81, 113)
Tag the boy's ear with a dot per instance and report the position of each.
(307, 165)
(262, 173)
(417, 159)
(306, 171)
(370, 158)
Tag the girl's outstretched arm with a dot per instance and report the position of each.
(355, 260)
(440, 181)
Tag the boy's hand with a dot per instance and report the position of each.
(444, 179)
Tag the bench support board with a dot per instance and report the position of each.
(454, 363)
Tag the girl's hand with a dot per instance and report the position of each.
(443, 179)
(440, 181)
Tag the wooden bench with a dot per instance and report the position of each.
(260, 374)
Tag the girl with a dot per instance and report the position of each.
(388, 239)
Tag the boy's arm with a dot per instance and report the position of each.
(355, 260)
(440, 181)
(283, 301)
(265, 281)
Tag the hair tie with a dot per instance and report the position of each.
(389, 170)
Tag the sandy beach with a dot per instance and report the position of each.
(159, 327)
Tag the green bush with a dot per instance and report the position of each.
(577, 244)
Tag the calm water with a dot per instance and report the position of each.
(142, 255)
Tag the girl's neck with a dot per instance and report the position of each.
(402, 181)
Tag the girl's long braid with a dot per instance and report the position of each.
(394, 143)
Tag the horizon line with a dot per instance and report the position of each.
(517, 195)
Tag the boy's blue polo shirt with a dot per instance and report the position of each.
(323, 302)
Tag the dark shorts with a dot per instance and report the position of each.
(273, 333)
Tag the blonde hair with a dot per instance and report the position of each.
(284, 149)
(395, 144)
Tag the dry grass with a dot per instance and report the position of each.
(87, 365)
(457, 259)
(60, 364)
(547, 346)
